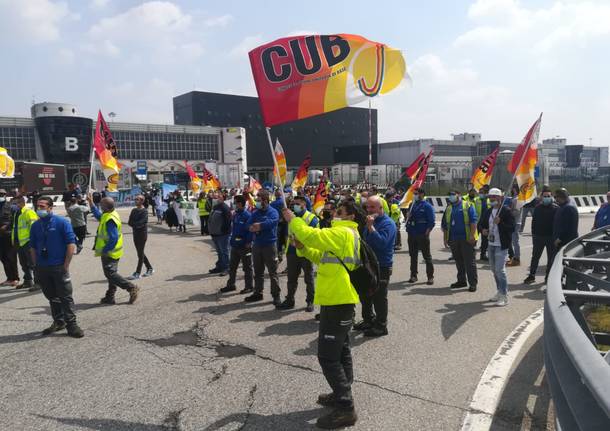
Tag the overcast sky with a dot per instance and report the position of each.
(488, 66)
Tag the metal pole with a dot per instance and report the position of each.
(92, 158)
(370, 135)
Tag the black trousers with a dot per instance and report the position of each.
(398, 242)
(204, 224)
(81, 234)
(26, 262)
(57, 288)
(484, 245)
(8, 256)
(111, 267)
(282, 237)
(243, 255)
(539, 244)
(296, 264)
(265, 257)
(334, 351)
(421, 243)
(375, 308)
(139, 240)
(463, 253)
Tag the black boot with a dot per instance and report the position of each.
(56, 326)
(288, 304)
(338, 418)
(254, 297)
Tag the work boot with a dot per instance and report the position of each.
(338, 418)
(413, 279)
(245, 290)
(430, 281)
(472, 288)
(363, 325)
(214, 271)
(529, 280)
(459, 285)
(276, 301)
(255, 297)
(108, 300)
(326, 400)
(133, 294)
(309, 308)
(484, 258)
(376, 331)
(288, 304)
(34, 288)
(25, 285)
(74, 331)
(227, 289)
(55, 326)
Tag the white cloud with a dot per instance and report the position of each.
(240, 51)
(98, 4)
(219, 21)
(35, 21)
(66, 56)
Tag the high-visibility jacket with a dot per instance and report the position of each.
(308, 217)
(324, 247)
(465, 206)
(395, 213)
(478, 206)
(101, 238)
(203, 206)
(26, 218)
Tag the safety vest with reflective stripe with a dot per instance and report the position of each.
(101, 238)
(465, 206)
(395, 213)
(26, 218)
(308, 217)
(202, 205)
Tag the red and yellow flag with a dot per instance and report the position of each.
(414, 168)
(106, 151)
(7, 164)
(321, 195)
(210, 181)
(482, 175)
(523, 163)
(280, 157)
(195, 182)
(421, 177)
(300, 179)
(301, 76)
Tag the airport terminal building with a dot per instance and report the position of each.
(56, 133)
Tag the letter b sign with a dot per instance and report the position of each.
(71, 143)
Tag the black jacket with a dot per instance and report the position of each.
(542, 220)
(565, 224)
(219, 222)
(506, 226)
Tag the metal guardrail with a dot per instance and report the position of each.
(577, 371)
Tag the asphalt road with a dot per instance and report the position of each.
(186, 358)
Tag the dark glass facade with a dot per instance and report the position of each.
(65, 140)
(337, 137)
(20, 142)
(140, 145)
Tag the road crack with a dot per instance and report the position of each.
(251, 399)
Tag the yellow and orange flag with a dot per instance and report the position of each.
(195, 182)
(482, 175)
(421, 177)
(280, 157)
(106, 151)
(523, 164)
(7, 164)
(210, 181)
(321, 195)
(300, 179)
(413, 170)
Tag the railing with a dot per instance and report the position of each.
(578, 372)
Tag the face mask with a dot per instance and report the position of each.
(326, 214)
(214, 202)
(2, 199)
(42, 213)
(297, 208)
(482, 195)
(547, 200)
(494, 204)
(453, 199)
(259, 205)
(337, 219)
(415, 198)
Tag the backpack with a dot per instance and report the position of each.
(365, 277)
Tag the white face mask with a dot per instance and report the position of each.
(337, 219)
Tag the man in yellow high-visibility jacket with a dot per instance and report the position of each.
(109, 246)
(23, 218)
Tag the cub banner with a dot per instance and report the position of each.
(7, 164)
(482, 175)
(106, 151)
(301, 76)
(523, 164)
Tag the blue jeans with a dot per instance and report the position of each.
(221, 243)
(497, 262)
(515, 247)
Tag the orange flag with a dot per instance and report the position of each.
(524, 162)
(300, 178)
(482, 176)
(280, 156)
(106, 151)
(421, 177)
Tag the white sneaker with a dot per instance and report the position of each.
(495, 298)
(502, 301)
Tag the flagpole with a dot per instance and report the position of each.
(92, 158)
(277, 168)
(370, 135)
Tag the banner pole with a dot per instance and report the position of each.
(277, 168)
(370, 135)
(92, 158)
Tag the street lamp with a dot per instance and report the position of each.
(112, 115)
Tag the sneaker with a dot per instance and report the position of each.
(430, 281)
(451, 258)
(134, 276)
(228, 289)
(376, 331)
(413, 279)
(529, 280)
(11, 283)
(214, 271)
(309, 308)
(286, 305)
(502, 301)
(75, 331)
(107, 300)
(246, 290)
(25, 285)
(55, 326)
(317, 317)
(363, 325)
(472, 288)
(255, 297)
(133, 294)
(34, 288)
(458, 285)
(484, 258)
(338, 418)
(148, 272)
(495, 298)
(276, 301)
(326, 400)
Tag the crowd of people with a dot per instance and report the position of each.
(260, 231)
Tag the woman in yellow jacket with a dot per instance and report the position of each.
(337, 298)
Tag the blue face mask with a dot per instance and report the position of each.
(297, 208)
(482, 195)
(453, 198)
(547, 200)
(415, 198)
(259, 205)
(494, 204)
(42, 213)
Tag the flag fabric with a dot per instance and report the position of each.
(523, 164)
(321, 195)
(7, 164)
(253, 186)
(195, 182)
(482, 175)
(280, 157)
(419, 181)
(106, 151)
(301, 76)
(300, 179)
(210, 181)
(414, 168)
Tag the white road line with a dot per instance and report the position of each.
(487, 394)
